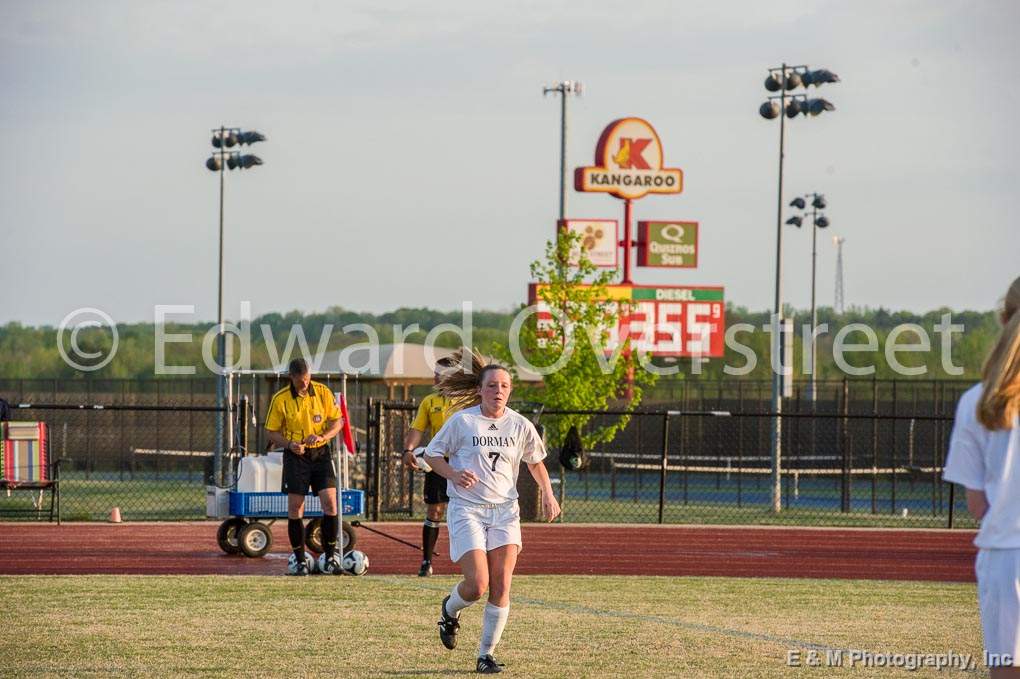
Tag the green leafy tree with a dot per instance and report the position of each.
(573, 346)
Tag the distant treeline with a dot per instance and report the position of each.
(27, 352)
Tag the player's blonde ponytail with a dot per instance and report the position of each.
(459, 383)
(1000, 397)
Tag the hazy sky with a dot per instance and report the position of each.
(412, 160)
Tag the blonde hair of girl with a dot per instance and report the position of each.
(1000, 396)
(460, 382)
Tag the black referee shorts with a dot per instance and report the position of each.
(313, 469)
(435, 489)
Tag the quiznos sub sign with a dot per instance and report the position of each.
(629, 163)
(668, 244)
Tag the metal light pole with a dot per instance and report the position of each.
(777, 373)
(563, 88)
(220, 161)
(781, 79)
(817, 222)
(221, 339)
(814, 309)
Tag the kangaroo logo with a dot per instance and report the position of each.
(629, 156)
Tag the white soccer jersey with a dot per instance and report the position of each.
(990, 461)
(492, 448)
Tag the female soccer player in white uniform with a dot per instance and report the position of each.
(984, 457)
(485, 445)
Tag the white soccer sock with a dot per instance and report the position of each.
(456, 602)
(493, 621)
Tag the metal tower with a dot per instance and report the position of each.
(839, 304)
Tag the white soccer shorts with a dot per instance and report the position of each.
(483, 527)
(998, 576)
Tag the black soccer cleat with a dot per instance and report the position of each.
(302, 569)
(448, 627)
(488, 665)
(333, 566)
(426, 569)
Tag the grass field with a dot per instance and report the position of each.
(561, 626)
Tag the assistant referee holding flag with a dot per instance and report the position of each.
(303, 419)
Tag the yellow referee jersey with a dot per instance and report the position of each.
(298, 417)
(433, 412)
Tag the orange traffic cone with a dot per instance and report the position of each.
(115, 515)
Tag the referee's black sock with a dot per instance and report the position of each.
(429, 535)
(330, 531)
(296, 533)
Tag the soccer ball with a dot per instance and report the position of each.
(327, 567)
(355, 562)
(292, 563)
(419, 459)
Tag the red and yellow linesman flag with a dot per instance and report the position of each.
(347, 431)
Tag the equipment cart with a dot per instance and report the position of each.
(252, 502)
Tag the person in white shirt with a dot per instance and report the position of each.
(984, 458)
(484, 444)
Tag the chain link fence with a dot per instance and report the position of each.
(874, 396)
(176, 392)
(147, 446)
(887, 397)
(862, 452)
(152, 462)
(675, 466)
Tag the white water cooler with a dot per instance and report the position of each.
(260, 473)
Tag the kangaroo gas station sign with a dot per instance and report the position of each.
(664, 320)
(629, 163)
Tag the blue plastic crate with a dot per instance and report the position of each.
(274, 505)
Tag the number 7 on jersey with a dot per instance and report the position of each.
(495, 458)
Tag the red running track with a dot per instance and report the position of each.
(190, 548)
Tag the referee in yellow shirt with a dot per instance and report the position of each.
(433, 412)
(303, 419)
